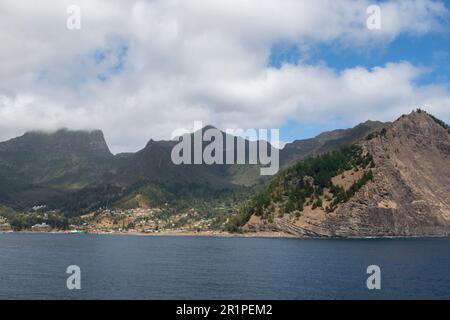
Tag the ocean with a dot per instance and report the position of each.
(33, 266)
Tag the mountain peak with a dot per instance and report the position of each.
(396, 184)
(61, 142)
(419, 122)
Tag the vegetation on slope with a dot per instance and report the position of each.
(305, 184)
(25, 220)
(381, 133)
(327, 142)
(207, 203)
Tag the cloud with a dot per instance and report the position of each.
(141, 69)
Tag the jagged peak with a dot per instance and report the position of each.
(158, 143)
(419, 118)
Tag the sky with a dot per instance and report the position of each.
(142, 69)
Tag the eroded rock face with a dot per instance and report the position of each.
(410, 193)
(408, 196)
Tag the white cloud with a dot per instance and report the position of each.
(199, 60)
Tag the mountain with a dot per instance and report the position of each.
(327, 141)
(74, 172)
(54, 157)
(152, 167)
(396, 182)
(154, 164)
(38, 166)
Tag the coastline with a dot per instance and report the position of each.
(217, 234)
(221, 234)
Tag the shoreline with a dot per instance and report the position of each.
(212, 234)
(219, 234)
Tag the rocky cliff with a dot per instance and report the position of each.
(409, 194)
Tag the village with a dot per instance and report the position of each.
(105, 221)
(143, 220)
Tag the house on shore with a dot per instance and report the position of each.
(41, 227)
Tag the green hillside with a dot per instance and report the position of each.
(309, 182)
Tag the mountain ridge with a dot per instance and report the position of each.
(407, 192)
(87, 177)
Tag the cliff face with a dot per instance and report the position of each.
(60, 144)
(39, 166)
(409, 194)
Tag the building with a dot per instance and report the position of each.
(42, 227)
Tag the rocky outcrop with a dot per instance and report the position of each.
(410, 193)
(408, 196)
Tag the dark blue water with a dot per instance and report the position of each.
(33, 266)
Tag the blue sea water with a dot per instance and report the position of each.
(33, 266)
